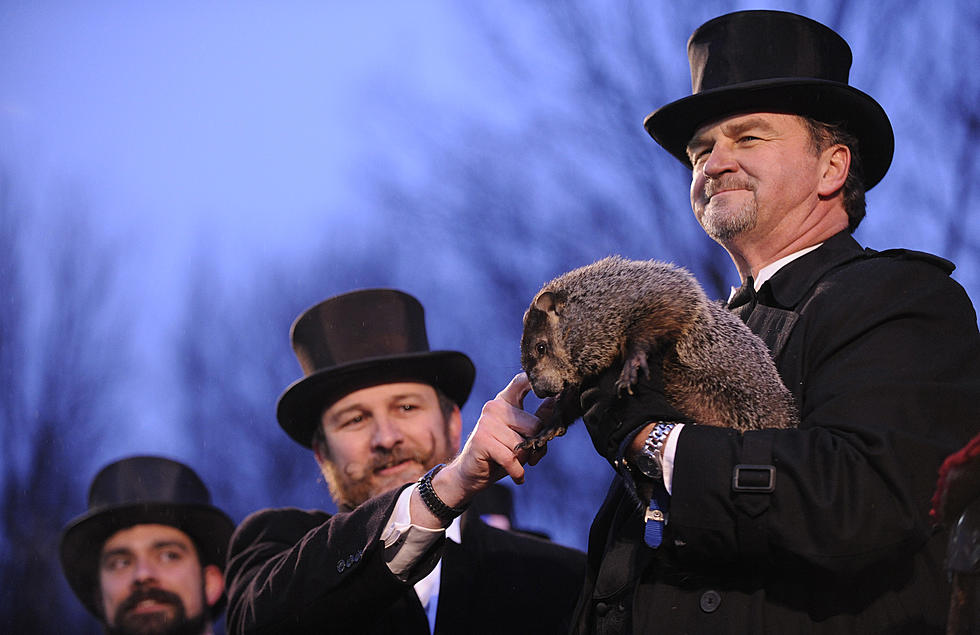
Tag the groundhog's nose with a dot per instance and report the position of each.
(540, 391)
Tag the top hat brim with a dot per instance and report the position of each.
(302, 404)
(673, 125)
(81, 542)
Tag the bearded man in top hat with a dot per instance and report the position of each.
(822, 528)
(381, 413)
(148, 556)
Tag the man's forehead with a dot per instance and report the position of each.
(146, 535)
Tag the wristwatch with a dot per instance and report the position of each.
(649, 460)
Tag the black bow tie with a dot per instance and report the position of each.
(744, 299)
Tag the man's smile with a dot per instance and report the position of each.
(390, 469)
(150, 605)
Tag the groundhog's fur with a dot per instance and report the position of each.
(716, 371)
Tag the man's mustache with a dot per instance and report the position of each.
(713, 186)
(160, 596)
(388, 459)
(382, 459)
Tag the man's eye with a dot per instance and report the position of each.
(350, 421)
(408, 407)
(115, 564)
(749, 138)
(171, 555)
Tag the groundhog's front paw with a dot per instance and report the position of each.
(631, 373)
(537, 442)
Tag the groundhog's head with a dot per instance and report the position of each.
(543, 353)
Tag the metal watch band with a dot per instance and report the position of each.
(439, 509)
(653, 447)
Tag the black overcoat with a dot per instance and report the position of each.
(295, 571)
(882, 354)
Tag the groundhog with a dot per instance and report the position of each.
(716, 371)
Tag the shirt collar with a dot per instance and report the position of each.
(769, 270)
(454, 533)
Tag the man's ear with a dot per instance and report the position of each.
(319, 451)
(836, 165)
(97, 593)
(214, 584)
(455, 428)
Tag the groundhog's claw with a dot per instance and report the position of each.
(537, 442)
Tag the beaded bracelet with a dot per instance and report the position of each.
(436, 505)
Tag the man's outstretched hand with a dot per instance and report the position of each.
(491, 452)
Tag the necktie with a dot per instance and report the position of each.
(744, 299)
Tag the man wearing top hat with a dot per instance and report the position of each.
(381, 412)
(148, 555)
(823, 528)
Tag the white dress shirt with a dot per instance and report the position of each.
(411, 542)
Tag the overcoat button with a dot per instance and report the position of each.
(710, 601)
(601, 609)
(341, 566)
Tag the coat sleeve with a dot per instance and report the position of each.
(296, 571)
(884, 362)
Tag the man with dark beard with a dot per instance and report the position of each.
(381, 413)
(148, 556)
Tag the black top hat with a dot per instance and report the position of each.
(135, 491)
(773, 61)
(362, 339)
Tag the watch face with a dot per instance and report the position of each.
(648, 465)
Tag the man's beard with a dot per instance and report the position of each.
(359, 482)
(158, 622)
(723, 223)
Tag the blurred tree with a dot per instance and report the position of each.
(934, 104)
(56, 324)
(233, 357)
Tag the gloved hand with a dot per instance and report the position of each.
(612, 418)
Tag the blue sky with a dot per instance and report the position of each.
(237, 125)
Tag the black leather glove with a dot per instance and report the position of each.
(612, 418)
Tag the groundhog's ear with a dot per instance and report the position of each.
(546, 302)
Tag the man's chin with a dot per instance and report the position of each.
(158, 623)
(726, 228)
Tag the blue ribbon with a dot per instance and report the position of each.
(656, 516)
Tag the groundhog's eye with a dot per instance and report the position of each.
(541, 348)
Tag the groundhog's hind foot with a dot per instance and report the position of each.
(541, 440)
(631, 372)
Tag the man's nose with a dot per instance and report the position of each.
(144, 570)
(387, 432)
(720, 160)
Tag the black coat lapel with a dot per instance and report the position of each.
(456, 590)
(774, 315)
